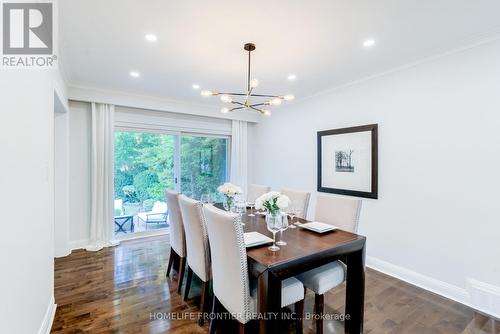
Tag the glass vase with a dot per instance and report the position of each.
(228, 203)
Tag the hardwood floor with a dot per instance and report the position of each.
(124, 290)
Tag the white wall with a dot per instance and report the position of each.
(26, 197)
(436, 220)
(79, 173)
(61, 180)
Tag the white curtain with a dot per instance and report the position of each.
(102, 178)
(238, 173)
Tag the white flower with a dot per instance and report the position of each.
(258, 204)
(229, 189)
(268, 199)
(283, 201)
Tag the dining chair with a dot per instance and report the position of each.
(177, 236)
(343, 213)
(299, 196)
(255, 191)
(198, 253)
(232, 287)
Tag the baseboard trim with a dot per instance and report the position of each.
(422, 281)
(485, 296)
(48, 319)
(480, 296)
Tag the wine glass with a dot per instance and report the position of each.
(205, 198)
(283, 227)
(273, 225)
(298, 211)
(240, 210)
(251, 204)
(292, 213)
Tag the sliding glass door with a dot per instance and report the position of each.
(204, 164)
(148, 162)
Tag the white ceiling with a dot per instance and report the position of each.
(201, 41)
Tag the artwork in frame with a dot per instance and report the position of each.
(348, 161)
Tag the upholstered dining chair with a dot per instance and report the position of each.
(231, 282)
(198, 253)
(299, 196)
(256, 190)
(177, 236)
(343, 213)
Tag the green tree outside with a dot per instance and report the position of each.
(144, 165)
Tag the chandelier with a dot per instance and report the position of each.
(244, 100)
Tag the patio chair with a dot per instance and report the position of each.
(158, 214)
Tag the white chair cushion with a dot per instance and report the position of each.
(177, 235)
(292, 291)
(159, 207)
(198, 254)
(324, 278)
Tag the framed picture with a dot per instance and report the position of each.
(348, 161)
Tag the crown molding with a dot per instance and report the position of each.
(473, 43)
(124, 99)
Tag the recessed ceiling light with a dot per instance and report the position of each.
(292, 77)
(151, 37)
(135, 74)
(369, 43)
(195, 86)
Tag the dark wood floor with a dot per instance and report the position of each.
(122, 289)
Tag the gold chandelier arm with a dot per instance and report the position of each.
(239, 103)
(259, 104)
(256, 109)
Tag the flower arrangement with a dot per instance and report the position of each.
(273, 201)
(229, 190)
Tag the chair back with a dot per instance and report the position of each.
(198, 255)
(177, 235)
(341, 212)
(255, 191)
(299, 196)
(229, 261)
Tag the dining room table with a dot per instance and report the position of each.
(305, 250)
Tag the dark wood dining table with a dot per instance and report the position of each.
(306, 250)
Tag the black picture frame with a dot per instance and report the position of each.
(374, 161)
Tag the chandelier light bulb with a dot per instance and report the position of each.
(226, 99)
(244, 100)
(275, 102)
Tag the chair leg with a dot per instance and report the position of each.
(204, 297)
(182, 269)
(242, 328)
(213, 318)
(319, 305)
(170, 261)
(188, 282)
(299, 313)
